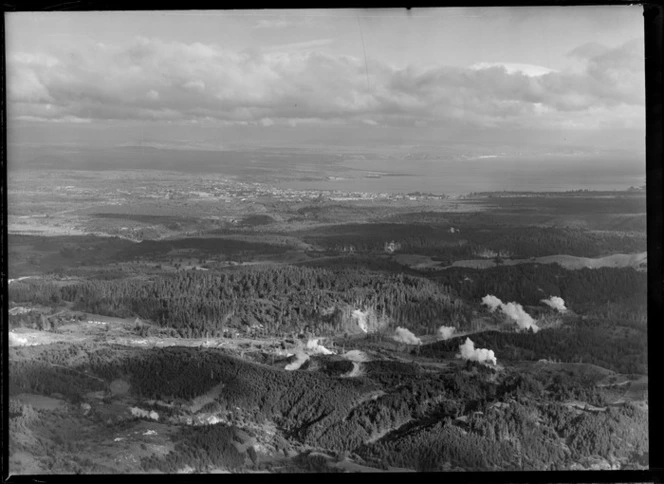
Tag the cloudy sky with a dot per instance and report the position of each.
(566, 76)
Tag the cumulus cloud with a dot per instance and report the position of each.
(467, 351)
(194, 85)
(556, 303)
(151, 79)
(307, 45)
(446, 332)
(402, 335)
(511, 68)
(272, 23)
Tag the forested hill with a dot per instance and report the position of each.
(473, 418)
(418, 234)
(283, 299)
(295, 298)
(624, 290)
(586, 341)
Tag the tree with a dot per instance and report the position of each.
(42, 323)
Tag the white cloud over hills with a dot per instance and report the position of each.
(149, 79)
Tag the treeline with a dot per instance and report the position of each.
(437, 240)
(293, 299)
(46, 379)
(620, 431)
(586, 342)
(517, 421)
(48, 369)
(473, 417)
(542, 241)
(361, 262)
(34, 320)
(37, 254)
(518, 436)
(582, 289)
(290, 399)
(36, 291)
(201, 448)
(269, 300)
(155, 249)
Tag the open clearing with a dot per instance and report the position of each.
(40, 402)
(637, 261)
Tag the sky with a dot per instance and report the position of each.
(543, 77)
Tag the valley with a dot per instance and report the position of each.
(193, 329)
(331, 241)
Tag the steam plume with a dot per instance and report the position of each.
(356, 371)
(469, 352)
(521, 317)
(361, 318)
(392, 246)
(301, 358)
(313, 348)
(139, 412)
(15, 340)
(492, 301)
(556, 303)
(402, 335)
(445, 332)
(356, 355)
(512, 310)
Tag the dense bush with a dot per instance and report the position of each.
(529, 283)
(44, 378)
(575, 343)
(278, 300)
(470, 418)
(202, 448)
(474, 238)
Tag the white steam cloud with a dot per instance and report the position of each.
(15, 340)
(512, 310)
(356, 371)
(392, 246)
(521, 317)
(313, 348)
(302, 353)
(492, 301)
(402, 335)
(361, 318)
(139, 412)
(300, 358)
(556, 303)
(356, 355)
(469, 352)
(445, 332)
